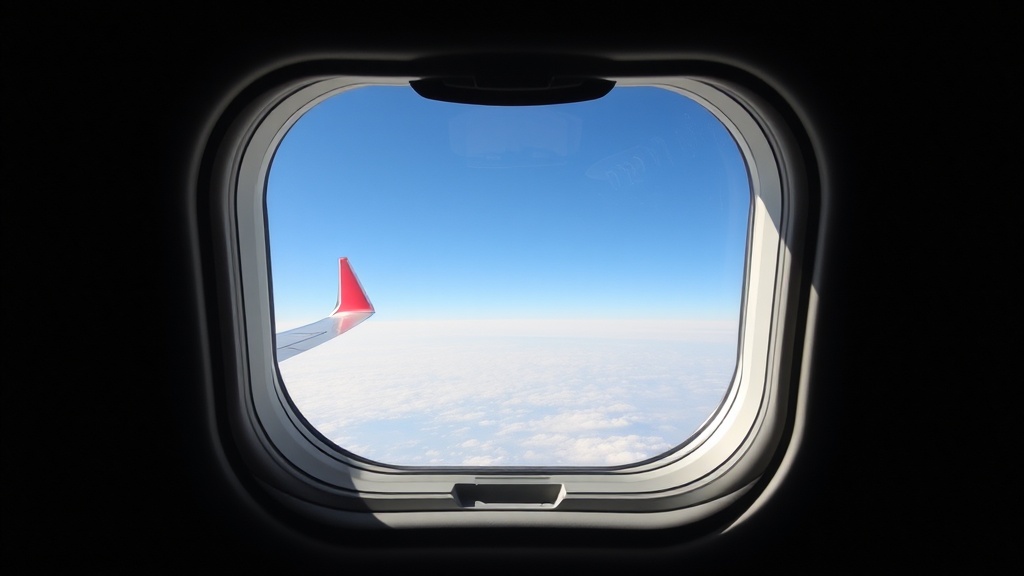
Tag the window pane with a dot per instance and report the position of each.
(554, 285)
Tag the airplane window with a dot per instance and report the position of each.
(556, 285)
(583, 313)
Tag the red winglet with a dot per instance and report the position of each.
(351, 297)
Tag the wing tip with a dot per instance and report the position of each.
(351, 296)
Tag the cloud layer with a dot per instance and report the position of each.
(513, 394)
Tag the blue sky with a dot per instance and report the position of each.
(631, 206)
(553, 285)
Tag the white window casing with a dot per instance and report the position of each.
(726, 459)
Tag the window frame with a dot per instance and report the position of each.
(732, 456)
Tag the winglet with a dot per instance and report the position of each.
(351, 297)
(352, 308)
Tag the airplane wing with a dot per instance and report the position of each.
(352, 308)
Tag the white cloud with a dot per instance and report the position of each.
(568, 422)
(482, 461)
(409, 394)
